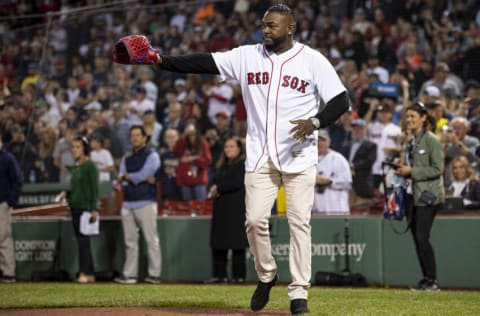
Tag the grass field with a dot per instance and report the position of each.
(323, 301)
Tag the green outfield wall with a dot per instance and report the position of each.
(375, 250)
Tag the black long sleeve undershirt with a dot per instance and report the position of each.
(334, 109)
(200, 63)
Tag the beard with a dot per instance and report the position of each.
(273, 44)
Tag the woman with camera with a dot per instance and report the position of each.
(423, 168)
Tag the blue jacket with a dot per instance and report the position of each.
(10, 178)
(140, 166)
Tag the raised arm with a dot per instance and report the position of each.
(136, 50)
(201, 63)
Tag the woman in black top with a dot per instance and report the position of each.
(228, 219)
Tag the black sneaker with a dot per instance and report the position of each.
(7, 279)
(216, 281)
(262, 294)
(420, 285)
(125, 280)
(152, 280)
(432, 286)
(426, 285)
(298, 306)
(238, 281)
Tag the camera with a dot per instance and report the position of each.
(193, 171)
(389, 162)
(447, 129)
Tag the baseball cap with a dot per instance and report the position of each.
(432, 91)
(334, 53)
(432, 105)
(222, 114)
(95, 105)
(383, 108)
(179, 82)
(141, 89)
(382, 73)
(148, 112)
(442, 67)
(359, 122)
(472, 84)
(323, 133)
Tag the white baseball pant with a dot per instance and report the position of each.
(261, 190)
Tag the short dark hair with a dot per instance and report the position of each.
(98, 137)
(282, 9)
(139, 127)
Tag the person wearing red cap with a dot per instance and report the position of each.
(219, 96)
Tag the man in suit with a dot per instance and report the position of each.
(361, 153)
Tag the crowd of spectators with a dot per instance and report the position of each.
(57, 78)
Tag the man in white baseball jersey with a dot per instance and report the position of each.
(385, 134)
(283, 83)
(334, 179)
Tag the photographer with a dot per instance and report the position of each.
(423, 169)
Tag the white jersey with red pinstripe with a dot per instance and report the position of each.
(277, 89)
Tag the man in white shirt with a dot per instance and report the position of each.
(145, 75)
(219, 98)
(283, 83)
(334, 180)
(138, 106)
(387, 136)
(102, 158)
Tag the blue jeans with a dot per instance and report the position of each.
(194, 192)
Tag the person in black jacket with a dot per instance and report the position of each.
(10, 188)
(228, 219)
(361, 153)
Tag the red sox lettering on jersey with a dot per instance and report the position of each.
(277, 89)
(287, 81)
